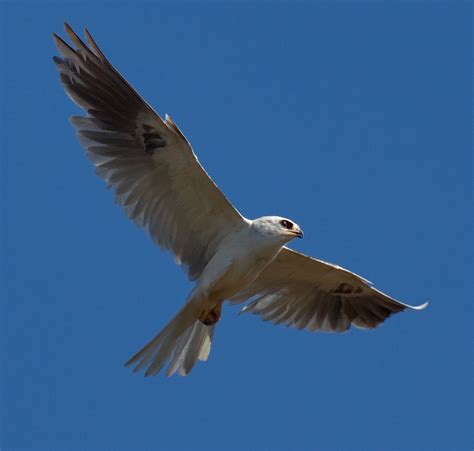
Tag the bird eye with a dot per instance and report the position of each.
(286, 224)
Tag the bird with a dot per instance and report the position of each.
(158, 180)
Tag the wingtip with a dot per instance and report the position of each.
(421, 306)
(69, 31)
(130, 362)
(87, 34)
(59, 42)
(245, 309)
(94, 47)
(63, 47)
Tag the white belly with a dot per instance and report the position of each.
(235, 265)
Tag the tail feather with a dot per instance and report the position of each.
(206, 344)
(183, 341)
(193, 345)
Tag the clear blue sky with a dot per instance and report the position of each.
(353, 119)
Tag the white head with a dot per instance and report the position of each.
(281, 229)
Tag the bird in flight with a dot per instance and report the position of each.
(163, 188)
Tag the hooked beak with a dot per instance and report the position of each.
(299, 233)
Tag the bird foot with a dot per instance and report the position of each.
(211, 317)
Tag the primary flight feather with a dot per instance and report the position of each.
(163, 188)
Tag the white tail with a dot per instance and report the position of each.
(183, 341)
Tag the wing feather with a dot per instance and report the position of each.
(310, 294)
(147, 161)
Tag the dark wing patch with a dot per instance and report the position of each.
(152, 139)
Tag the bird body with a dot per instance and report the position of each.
(240, 258)
(163, 188)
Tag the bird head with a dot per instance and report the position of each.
(277, 227)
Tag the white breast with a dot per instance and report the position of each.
(238, 261)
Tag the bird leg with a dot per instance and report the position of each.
(211, 317)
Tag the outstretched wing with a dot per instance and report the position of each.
(147, 161)
(305, 293)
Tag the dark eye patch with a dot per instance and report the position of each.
(286, 224)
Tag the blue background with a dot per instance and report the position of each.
(353, 119)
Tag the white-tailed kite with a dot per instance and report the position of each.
(158, 180)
